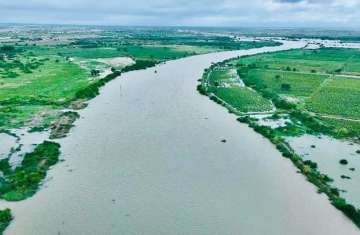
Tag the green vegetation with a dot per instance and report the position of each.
(338, 96)
(243, 99)
(38, 78)
(23, 181)
(317, 90)
(342, 128)
(322, 85)
(5, 219)
(284, 82)
(223, 85)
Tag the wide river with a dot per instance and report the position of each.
(146, 158)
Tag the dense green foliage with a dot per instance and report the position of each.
(23, 181)
(5, 219)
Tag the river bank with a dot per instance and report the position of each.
(286, 125)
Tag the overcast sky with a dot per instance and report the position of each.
(298, 13)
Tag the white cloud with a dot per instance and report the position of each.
(335, 13)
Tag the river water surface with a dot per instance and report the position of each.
(146, 157)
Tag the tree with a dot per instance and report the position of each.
(285, 87)
(95, 72)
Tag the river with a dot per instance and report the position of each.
(147, 157)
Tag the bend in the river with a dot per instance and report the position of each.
(147, 158)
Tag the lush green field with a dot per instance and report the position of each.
(325, 81)
(324, 60)
(243, 99)
(288, 83)
(136, 51)
(50, 86)
(339, 96)
(224, 83)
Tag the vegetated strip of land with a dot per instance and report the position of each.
(305, 86)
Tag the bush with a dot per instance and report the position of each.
(311, 164)
(285, 87)
(24, 181)
(140, 64)
(5, 219)
(347, 209)
(201, 89)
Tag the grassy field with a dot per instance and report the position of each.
(339, 96)
(324, 60)
(324, 81)
(224, 83)
(50, 86)
(295, 84)
(243, 99)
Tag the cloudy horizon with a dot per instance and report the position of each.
(233, 13)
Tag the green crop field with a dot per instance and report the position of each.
(325, 81)
(224, 83)
(285, 82)
(340, 96)
(243, 99)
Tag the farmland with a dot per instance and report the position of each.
(225, 86)
(324, 82)
(315, 93)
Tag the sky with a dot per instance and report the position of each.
(236, 13)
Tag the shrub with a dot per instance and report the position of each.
(5, 219)
(24, 181)
(285, 87)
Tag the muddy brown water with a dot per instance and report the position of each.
(146, 157)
